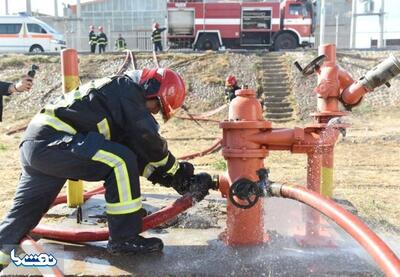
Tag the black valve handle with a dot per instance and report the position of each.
(313, 66)
(245, 190)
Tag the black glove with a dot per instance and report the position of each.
(199, 186)
(181, 179)
(160, 177)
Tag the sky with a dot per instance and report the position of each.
(42, 6)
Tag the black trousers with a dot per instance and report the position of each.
(102, 48)
(158, 46)
(47, 164)
(93, 48)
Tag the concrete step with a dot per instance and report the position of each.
(275, 99)
(275, 89)
(275, 75)
(278, 110)
(276, 94)
(275, 79)
(281, 120)
(278, 115)
(269, 105)
(267, 86)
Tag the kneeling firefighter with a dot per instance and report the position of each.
(103, 130)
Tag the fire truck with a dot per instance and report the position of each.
(273, 24)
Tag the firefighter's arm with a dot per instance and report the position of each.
(162, 29)
(141, 133)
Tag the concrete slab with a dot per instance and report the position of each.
(198, 252)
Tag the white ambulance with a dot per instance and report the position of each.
(21, 34)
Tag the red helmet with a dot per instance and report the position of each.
(91, 27)
(230, 80)
(156, 25)
(171, 92)
(101, 28)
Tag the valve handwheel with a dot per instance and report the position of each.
(246, 191)
(312, 66)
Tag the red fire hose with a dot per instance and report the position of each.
(382, 254)
(213, 148)
(92, 234)
(29, 245)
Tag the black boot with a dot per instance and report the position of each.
(136, 245)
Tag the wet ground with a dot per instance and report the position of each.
(192, 247)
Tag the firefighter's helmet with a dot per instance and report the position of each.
(166, 85)
(101, 28)
(230, 81)
(156, 25)
(91, 27)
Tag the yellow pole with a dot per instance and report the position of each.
(327, 174)
(69, 71)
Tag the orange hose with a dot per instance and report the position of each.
(382, 254)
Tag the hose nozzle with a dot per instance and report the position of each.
(381, 74)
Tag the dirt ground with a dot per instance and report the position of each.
(367, 170)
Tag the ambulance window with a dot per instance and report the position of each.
(36, 28)
(10, 28)
(297, 9)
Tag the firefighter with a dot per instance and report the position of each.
(102, 40)
(231, 86)
(92, 39)
(120, 43)
(156, 37)
(102, 131)
(7, 89)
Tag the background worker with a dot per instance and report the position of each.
(6, 89)
(231, 86)
(92, 39)
(105, 132)
(156, 37)
(102, 40)
(120, 43)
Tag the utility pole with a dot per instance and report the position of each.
(381, 41)
(337, 30)
(28, 7)
(322, 24)
(6, 7)
(56, 8)
(78, 25)
(353, 24)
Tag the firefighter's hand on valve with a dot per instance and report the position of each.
(180, 181)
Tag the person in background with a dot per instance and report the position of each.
(92, 39)
(156, 37)
(120, 43)
(102, 40)
(231, 86)
(7, 89)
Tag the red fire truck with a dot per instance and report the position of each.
(210, 25)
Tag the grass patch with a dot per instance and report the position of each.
(219, 165)
(3, 147)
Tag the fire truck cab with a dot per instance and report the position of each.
(206, 25)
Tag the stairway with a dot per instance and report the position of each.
(276, 88)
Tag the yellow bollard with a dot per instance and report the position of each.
(327, 174)
(69, 71)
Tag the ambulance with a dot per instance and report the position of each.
(22, 34)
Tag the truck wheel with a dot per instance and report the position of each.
(207, 42)
(36, 49)
(285, 41)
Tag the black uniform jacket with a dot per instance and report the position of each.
(3, 91)
(122, 103)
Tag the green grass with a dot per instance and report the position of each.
(3, 147)
(219, 165)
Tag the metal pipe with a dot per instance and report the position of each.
(380, 252)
